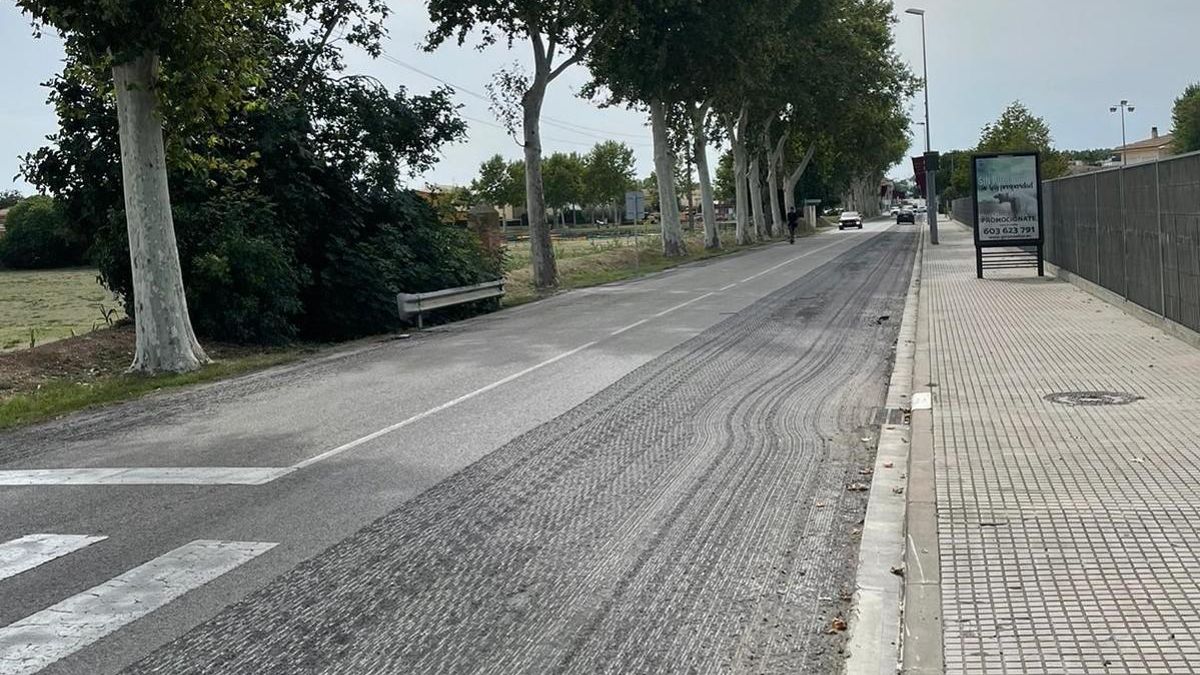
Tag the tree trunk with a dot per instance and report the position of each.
(777, 222)
(165, 340)
(793, 179)
(664, 167)
(756, 199)
(741, 161)
(712, 238)
(691, 199)
(545, 272)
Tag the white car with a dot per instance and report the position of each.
(895, 210)
(850, 219)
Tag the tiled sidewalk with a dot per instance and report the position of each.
(1069, 535)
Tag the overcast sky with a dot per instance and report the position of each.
(1068, 60)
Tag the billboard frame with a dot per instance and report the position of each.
(1008, 259)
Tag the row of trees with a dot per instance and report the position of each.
(217, 155)
(785, 82)
(597, 179)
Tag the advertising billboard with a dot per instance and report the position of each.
(1008, 199)
(1006, 190)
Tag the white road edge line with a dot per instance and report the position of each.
(200, 475)
(791, 260)
(448, 404)
(482, 390)
(684, 304)
(263, 475)
(25, 553)
(630, 327)
(44, 637)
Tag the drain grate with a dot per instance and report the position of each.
(1092, 398)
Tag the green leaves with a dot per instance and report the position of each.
(1019, 130)
(1186, 118)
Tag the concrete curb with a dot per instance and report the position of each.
(922, 652)
(874, 643)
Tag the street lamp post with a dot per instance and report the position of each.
(1122, 106)
(930, 175)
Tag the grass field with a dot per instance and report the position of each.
(583, 262)
(48, 305)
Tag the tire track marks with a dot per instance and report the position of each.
(666, 524)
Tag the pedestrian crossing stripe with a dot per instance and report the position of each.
(40, 639)
(26, 553)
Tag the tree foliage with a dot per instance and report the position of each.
(291, 213)
(563, 177)
(9, 198)
(1019, 130)
(608, 173)
(37, 236)
(1186, 118)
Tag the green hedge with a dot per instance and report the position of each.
(37, 237)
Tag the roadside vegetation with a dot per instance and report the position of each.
(90, 369)
(42, 306)
(294, 213)
(583, 263)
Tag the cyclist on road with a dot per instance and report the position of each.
(793, 221)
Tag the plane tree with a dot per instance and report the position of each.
(204, 47)
(560, 34)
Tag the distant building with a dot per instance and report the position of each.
(1149, 150)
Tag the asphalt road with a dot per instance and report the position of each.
(643, 476)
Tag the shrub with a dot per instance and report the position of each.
(37, 236)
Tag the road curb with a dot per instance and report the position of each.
(922, 621)
(874, 642)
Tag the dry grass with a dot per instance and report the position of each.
(584, 263)
(48, 305)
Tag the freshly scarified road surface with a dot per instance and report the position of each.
(692, 517)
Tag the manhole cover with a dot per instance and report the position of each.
(1092, 398)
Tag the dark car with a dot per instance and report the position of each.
(906, 216)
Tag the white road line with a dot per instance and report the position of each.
(202, 475)
(683, 304)
(259, 476)
(448, 404)
(790, 261)
(26, 553)
(727, 286)
(631, 326)
(42, 638)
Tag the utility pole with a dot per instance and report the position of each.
(930, 170)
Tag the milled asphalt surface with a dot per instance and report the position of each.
(649, 502)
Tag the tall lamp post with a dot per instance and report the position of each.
(1122, 106)
(930, 174)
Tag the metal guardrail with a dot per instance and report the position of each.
(419, 303)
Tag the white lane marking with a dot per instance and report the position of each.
(790, 261)
(684, 304)
(727, 286)
(259, 476)
(631, 326)
(26, 553)
(207, 475)
(922, 400)
(448, 404)
(42, 638)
